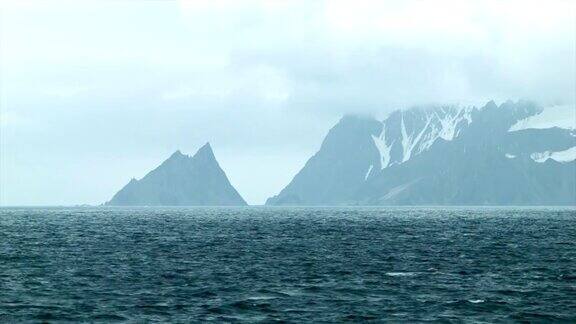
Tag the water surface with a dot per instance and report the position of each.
(291, 264)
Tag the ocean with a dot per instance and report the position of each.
(259, 264)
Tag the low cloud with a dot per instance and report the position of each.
(262, 80)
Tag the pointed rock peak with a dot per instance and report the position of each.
(206, 146)
(205, 152)
(182, 181)
(176, 155)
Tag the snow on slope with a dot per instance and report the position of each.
(565, 156)
(368, 172)
(562, 116)
(408, 141)
(440, 122)
(450, 121)
(383, 148)
(446, 125)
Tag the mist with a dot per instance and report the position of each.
(96, 93)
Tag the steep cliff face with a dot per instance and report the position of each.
(181, 180)
(333, 175)
(512, 154)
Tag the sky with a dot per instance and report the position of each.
(94, 93)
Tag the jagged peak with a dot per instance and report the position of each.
(175, 158)
(176, 154)
(205, 151)
(181, 180)
(206, 146)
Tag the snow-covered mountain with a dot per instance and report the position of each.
(181, 180)
(512, 154)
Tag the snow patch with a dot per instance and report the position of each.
(429, 139)
(450, 121)
(368, 172)
(408, 144)
(509, 156)
(562, 116)
(441, 122)
(444, 124)
(383, 148)
(565, 156)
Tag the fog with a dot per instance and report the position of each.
(95, 93)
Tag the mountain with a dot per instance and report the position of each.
(181, 180)
(332, 175)
(512, 154)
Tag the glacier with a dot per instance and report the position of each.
(442, 155)
(561, 116)
(565, 156)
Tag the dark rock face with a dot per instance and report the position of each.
(440, 156)
(181, 180)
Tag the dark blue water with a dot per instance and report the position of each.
(291, 264)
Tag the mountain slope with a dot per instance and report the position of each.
(511, 154)
(181, 181)
(333, 175)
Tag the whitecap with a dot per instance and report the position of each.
(261, 297)
(476, 301)
(400, 274)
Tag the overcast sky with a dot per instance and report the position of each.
(94, 93)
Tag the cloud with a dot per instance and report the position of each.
(256, 82)
(360, 54)
(262, 80)
(62, 91)
(345, 56)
